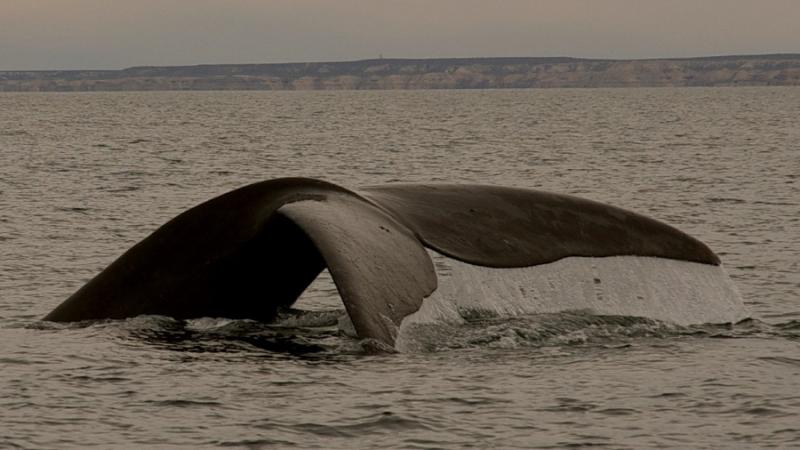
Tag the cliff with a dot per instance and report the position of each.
(453, 73)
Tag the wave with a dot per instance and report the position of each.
(318, 337)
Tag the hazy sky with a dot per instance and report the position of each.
(77, 34)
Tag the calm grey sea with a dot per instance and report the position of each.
(84, 176)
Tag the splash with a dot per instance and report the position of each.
(669, 291)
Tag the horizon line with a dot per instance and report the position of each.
(403, 59)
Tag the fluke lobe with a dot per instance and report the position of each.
(253, 250)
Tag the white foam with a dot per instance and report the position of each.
(679, 292)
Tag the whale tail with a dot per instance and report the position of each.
(253, 250)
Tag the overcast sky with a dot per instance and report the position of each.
(80, 34)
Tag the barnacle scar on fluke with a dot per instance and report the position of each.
(253, 250)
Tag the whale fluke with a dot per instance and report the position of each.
(251, 251)
(381, 270)
(497, 226)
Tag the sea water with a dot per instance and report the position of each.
(84, 176)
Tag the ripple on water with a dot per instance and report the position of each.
(87, 175)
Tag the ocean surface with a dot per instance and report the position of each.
(84, 176)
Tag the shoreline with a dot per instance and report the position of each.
(423, 74)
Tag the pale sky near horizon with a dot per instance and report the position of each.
(114, 34)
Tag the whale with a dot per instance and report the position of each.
(392, 251)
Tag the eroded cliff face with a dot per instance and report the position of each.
(475, 73)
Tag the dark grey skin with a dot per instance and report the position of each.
(251, 251)
(497, 226)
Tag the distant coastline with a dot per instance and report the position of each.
(440, 73)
